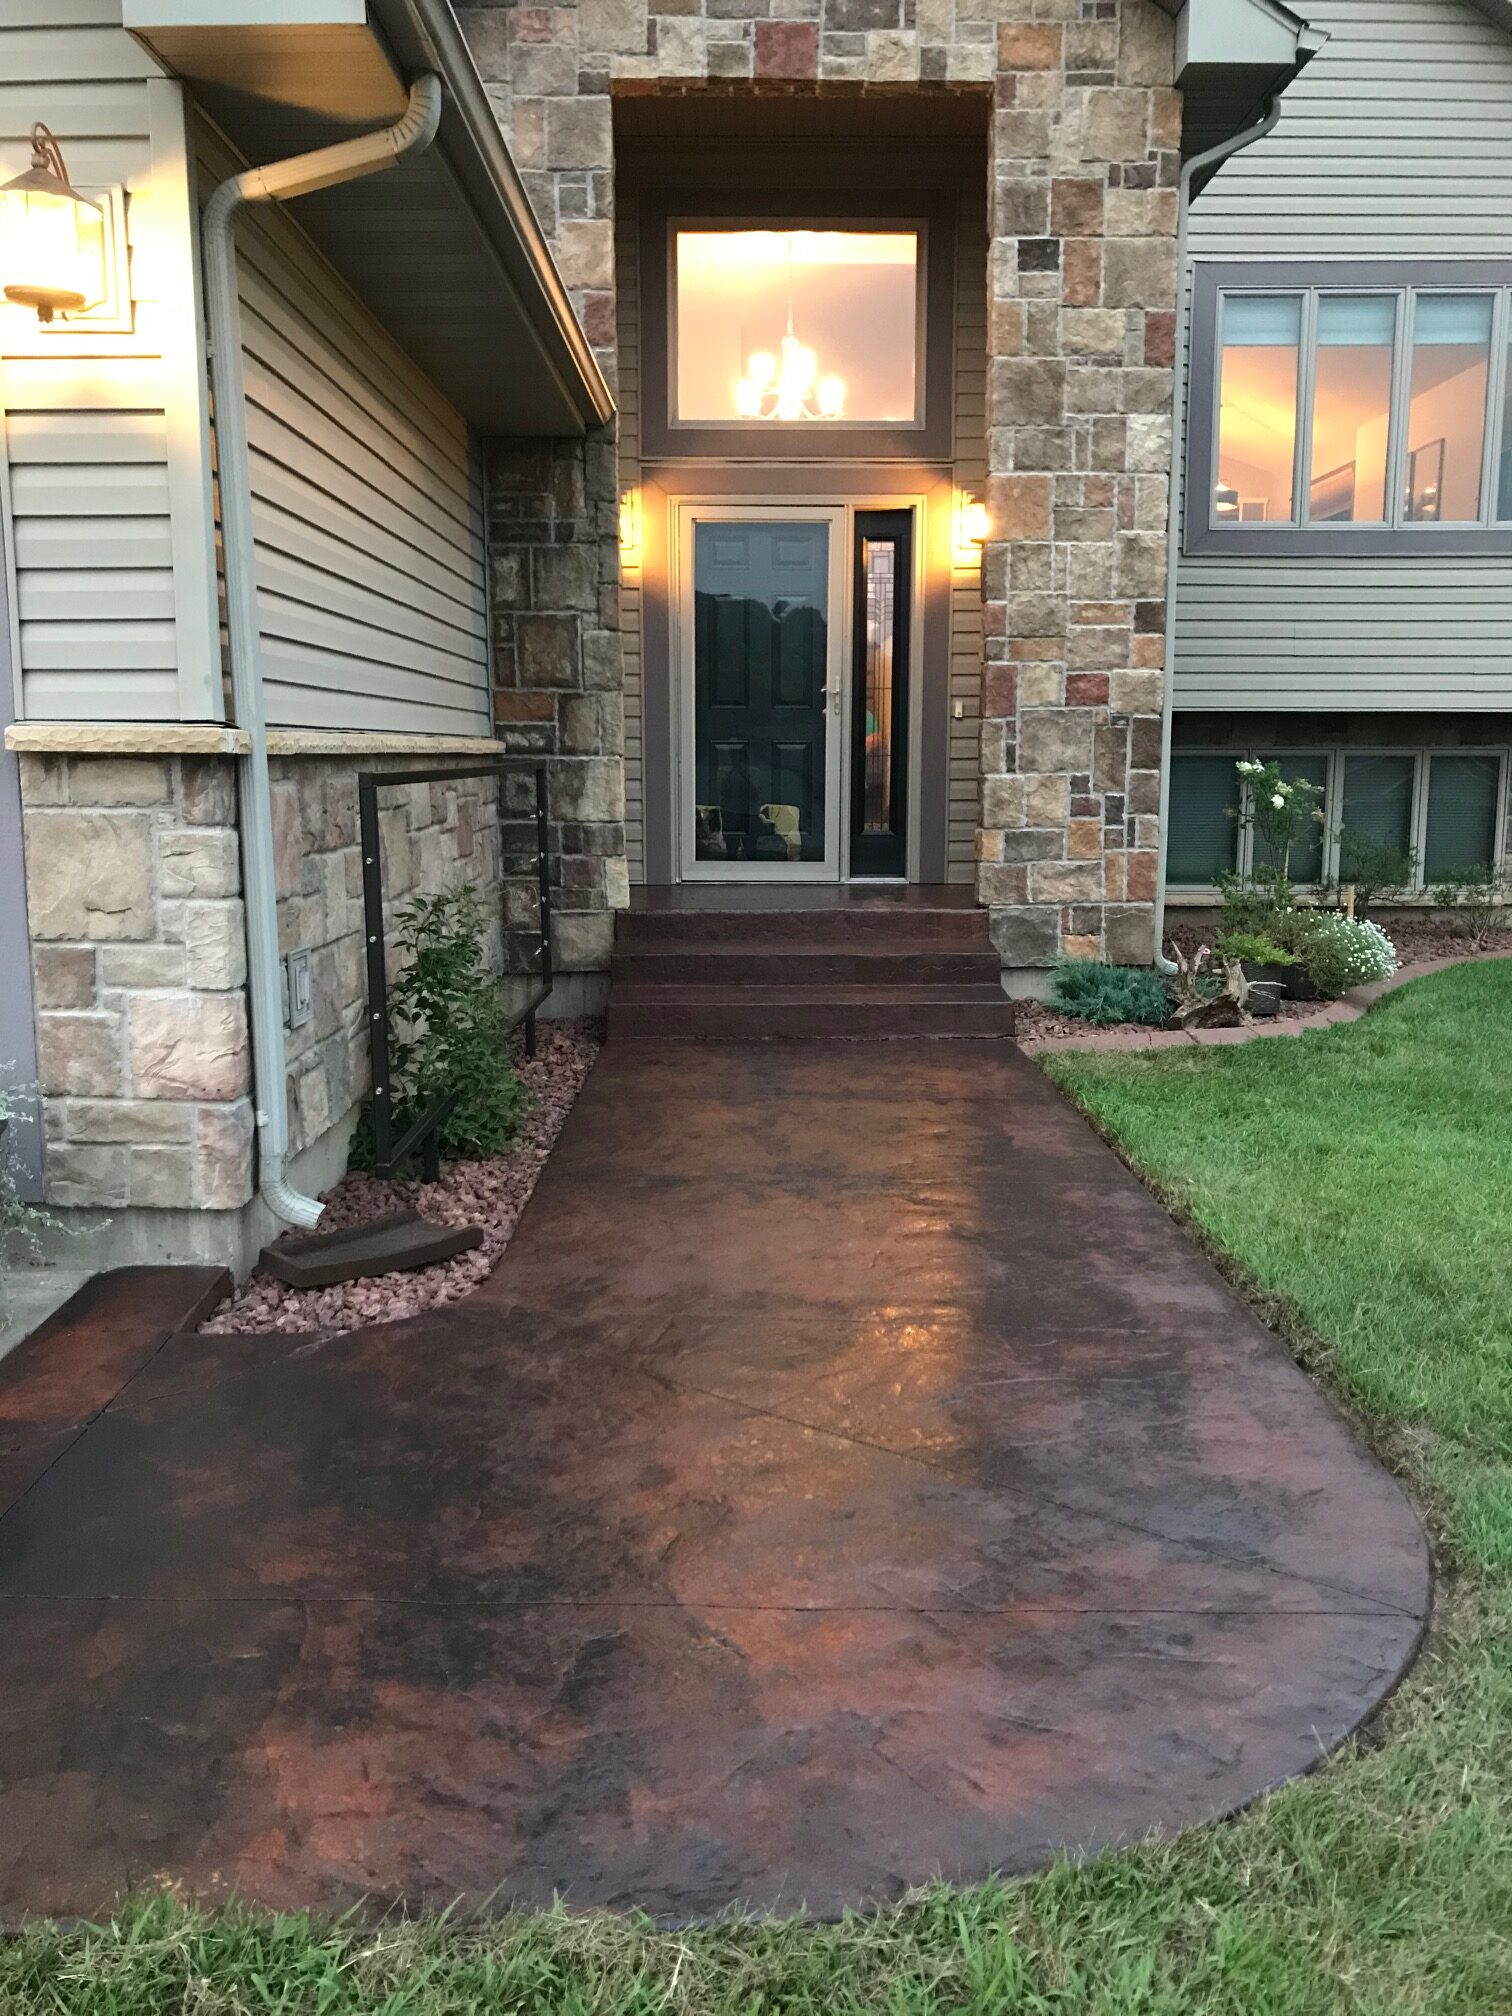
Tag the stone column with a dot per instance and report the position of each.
(554, 507)
(1083, 198)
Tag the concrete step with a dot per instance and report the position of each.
(740, 964)
(748, 1013)
(829, 929)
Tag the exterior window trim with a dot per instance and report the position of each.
(1336, 755)
(1212, 279)
(929, 437)
(823, 430)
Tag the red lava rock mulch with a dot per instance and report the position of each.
(491, 1194)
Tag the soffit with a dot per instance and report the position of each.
(442, 248)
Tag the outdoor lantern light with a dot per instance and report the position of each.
(973, 528)
(52, 239)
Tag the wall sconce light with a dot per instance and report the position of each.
(52, 239)
(973, 528)
(630, 524)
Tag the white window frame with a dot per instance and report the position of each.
(1405, 282)
(1336, 755)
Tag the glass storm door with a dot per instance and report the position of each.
(764, 697)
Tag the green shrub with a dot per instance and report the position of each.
(1341, 952)
(1103, 994)
(447, 1032)
(1375, 868)
(1481, 894)
(1253, 948)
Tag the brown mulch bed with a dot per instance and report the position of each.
(1034, 1021)
(1438, 938)
(491, 1194)
(1416, 939)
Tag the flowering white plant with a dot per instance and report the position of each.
(1345, 952)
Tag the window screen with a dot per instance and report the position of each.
(1377, 803)
(1446, 413)
(1462, 809)
(1306, 863)
(1201, 843)
(1351, 429)
(1257, 409)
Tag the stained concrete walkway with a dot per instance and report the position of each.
(850, 1475)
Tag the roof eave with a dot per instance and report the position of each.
(471, 136)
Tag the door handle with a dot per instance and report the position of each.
(834, 694)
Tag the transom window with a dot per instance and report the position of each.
(789, 327)
(1440, 809)
(1353, 406)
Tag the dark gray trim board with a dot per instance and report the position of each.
(928, 441)
(1367, 542)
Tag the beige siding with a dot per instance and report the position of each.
(104, 472)
(965, 768)
(628, 395)
(366, 499)
(1395, 142)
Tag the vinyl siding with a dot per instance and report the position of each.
(970, 450)
(1395, 142)
(104, 471)
(367, 504)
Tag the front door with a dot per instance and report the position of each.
(762, 634)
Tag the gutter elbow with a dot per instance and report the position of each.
(289, 1204)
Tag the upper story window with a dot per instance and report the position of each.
(790, 327)
(1361, 408)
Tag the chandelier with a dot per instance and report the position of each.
(788, 385)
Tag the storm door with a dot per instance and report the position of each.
(763, 643)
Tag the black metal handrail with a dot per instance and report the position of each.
(423, 1131)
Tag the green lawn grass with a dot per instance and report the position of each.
(1361, 1178)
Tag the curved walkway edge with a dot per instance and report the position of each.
(1349, 1008)
(851, 1475)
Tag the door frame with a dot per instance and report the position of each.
(839, 509)
(691, 514)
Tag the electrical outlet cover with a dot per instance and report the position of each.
(301, 990)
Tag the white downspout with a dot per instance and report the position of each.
(298, 176)
(1214, 156)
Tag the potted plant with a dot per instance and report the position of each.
(1268, 966)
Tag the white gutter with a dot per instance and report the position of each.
(1199, 163)
(298, 176)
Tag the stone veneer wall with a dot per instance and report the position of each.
(1085, 133)
(133, 877)
(434, 837)
(138, 943)
(553, 545)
